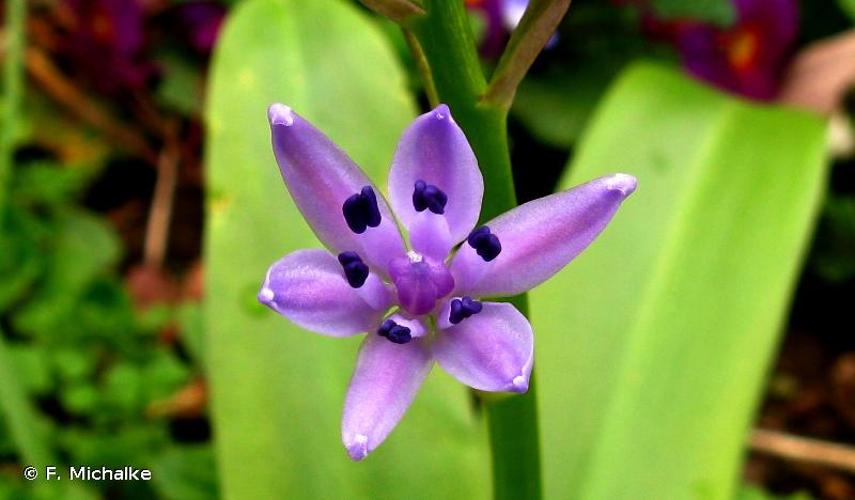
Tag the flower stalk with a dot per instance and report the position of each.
(447, 46)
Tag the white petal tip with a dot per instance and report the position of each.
(624, 183)
(266, 295)
(280, 114)
(442, 112)
(357, 448)
(519, 384)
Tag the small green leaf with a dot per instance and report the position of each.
(181, 86)
(82, 249)
(720, 12)
(556, 108)
(847, 6)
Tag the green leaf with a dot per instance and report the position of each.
(277, 391)
(83, 248)
(847, 6)
(181, 87)
(556, 108)
(747, 492)
(653, 344)
(835, 243)
(186, 473)
(720, 12)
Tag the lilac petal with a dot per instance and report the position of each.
(308, 287)
(434, 150)
(429, 236)
(320, 178)
(540, 237)
(490, 351)
(384, 383)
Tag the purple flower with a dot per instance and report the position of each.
(747, 58)
(201, 21)
(420, 302)
(105, 42)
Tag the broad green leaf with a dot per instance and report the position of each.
(653, 344)
(277, 391)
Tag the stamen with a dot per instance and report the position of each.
(361, 211)
(427, 196)
(463, 308)
(486, 245)
(394, 332)
(355, 270)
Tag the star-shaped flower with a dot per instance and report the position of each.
(420, 301)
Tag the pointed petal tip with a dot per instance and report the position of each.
(519, 384)
(357, 447)
(624, 183)
(442, 112)
(280, 114)
(266, 295)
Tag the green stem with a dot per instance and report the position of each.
(447, 46)
(396, 10)
(13, 76)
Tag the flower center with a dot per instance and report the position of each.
(420, 282)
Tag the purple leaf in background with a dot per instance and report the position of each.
(420, 303)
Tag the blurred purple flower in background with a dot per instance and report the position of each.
(202, 21)
(501, 17)
(105, 41)
(420, 304)
(747, 58)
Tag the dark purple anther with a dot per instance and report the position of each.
(355, 270)
(394, 332)
(486, 245)
(361, 211)
(463, 308)
(427, 196)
